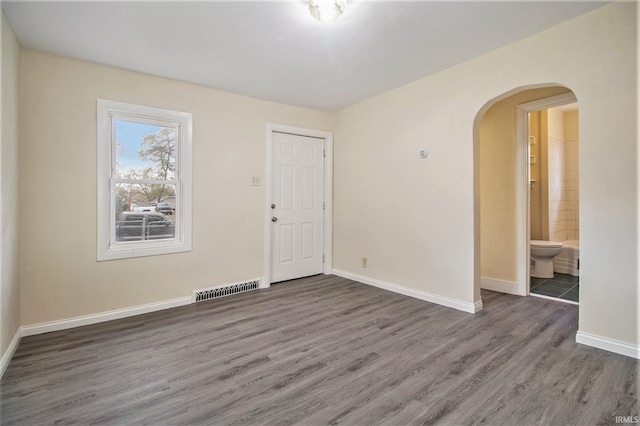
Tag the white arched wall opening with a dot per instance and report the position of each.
(521, 209)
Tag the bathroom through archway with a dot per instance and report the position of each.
(554, 216)
(506, 170)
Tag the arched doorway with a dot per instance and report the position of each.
(501, 192)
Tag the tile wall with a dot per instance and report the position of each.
(563, 180)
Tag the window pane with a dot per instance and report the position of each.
(144, 212)
(145, 151)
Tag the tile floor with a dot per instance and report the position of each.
(561, 286)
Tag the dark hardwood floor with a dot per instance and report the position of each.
(322, 350)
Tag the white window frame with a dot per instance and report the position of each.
(108, 112)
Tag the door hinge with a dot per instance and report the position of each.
(323, 258)
(324, 152)
(324, 205)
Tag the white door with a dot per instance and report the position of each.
(297, 197)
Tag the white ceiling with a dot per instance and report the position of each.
(274, 50)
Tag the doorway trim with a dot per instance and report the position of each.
(523, 185)
(327, 188)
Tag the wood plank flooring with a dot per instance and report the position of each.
(322, 350)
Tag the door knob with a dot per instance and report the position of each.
(274, 219)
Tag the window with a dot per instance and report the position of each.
(144, 181)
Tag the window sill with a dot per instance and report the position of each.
(139, 250)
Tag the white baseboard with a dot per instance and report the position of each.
(611, 345)
(30, 330)
(6, 357)
(418, 294)
(509, 287)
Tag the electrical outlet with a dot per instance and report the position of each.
(255, 181)
(365, 262)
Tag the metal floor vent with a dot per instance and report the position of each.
(217, 292)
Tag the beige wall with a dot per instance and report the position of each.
(417, 220)
(498, 184)
(60, 275)
(571, 125)
(10, 184)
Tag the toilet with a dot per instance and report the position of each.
(542, 254)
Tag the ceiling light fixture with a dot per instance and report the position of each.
(327, 10)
